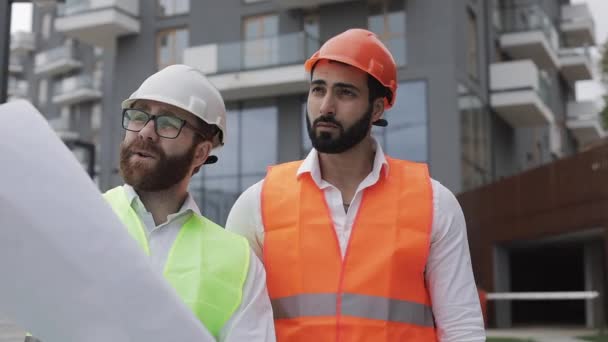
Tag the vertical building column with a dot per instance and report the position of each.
(5, 41)
(588, 266)
(110, 124)
(502, 283)
(594, 281)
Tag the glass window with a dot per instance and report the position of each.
(312, 31)
(260, 26)
(170, 46)
(259, 138)
(172, 7)
(306, 143)
(228, 164)
(387, 20)
(472, 45)
(406, 137)
(260, 35)
(251, 146)
(216, 195)
(475, 139)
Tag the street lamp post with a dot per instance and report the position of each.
(5, 46)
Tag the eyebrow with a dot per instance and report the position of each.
(336, 85)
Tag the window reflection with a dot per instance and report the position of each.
(170, 46)
(475, 139)
(251, 146)
(405, 137)
(387, 20)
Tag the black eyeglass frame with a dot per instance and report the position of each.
(155, 118)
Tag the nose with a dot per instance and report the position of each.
(327, 105)
(149, 131)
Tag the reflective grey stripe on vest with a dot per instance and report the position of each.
(304, 305)
(355, 305)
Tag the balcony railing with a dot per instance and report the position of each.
(53, 55)
(17, 88)
(71, 7)
(266, 52)
(73, 83)
(525, 18)
(575, 52)
(22, 41)
(15, 65)
(544, 88)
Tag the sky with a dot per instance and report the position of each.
(586, 90)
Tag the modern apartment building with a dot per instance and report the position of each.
(486, 87)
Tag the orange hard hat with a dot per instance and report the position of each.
(363, 50)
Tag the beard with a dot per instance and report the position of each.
(153, 175)
(346, 139)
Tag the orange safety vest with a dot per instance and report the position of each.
(377, 292)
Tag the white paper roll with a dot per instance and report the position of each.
(69, 270)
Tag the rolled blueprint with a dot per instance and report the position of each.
(69, 271)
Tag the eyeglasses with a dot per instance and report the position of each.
(166, 126)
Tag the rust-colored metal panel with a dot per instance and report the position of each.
(567, 196)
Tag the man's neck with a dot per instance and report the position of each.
(163, 203)
(347, 170)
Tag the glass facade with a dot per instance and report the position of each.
(475, 139)
(387, 20)
(171, 45)
(251, 146)
(406, 136)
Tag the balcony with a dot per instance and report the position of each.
(17, 89)
(576, 64)
(14, 66)
(520, 93)
(98, 22)
(256, 68)
(61, 126)
(577, 26)
(56, 61)
(74, 90)
(291, 4)
(22, 42)
(584, 121)
(528, 33)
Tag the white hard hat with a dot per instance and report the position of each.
(187, 88)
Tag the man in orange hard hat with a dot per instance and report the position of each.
(359, 246)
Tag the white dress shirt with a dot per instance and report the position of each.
(253, 320)
(449, 275)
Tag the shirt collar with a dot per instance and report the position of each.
(189, 206)
(311, 165)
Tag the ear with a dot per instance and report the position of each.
(377, 109)
(202, 151)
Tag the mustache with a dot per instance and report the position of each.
(327, 119)
(145, 146)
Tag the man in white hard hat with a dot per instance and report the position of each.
(172, 123)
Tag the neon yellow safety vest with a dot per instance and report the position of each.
(207, 265)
